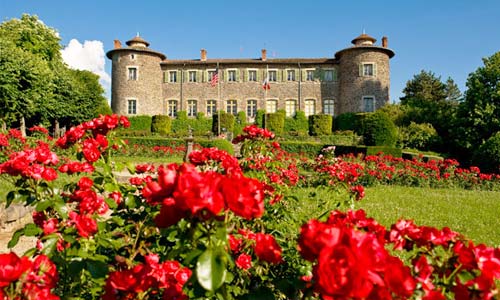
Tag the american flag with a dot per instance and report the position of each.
(215, 78)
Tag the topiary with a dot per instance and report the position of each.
(487, 156)
(379, 130)
(161, 124)
(320, 124)
(259, 118)
(345, 121)
(275, 122)
(226, 122)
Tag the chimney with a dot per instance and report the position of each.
(203, 55)
(263, 56)
(384, 42)
(118, 44)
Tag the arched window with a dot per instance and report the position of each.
(329, 107)
(310, 107)
(192, 108)
(251, 108)
(290, 108)
(172, 108)
(271, 106)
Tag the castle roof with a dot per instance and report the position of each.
(137, 40)
(250, 61)
(363, 38)
(387, 51)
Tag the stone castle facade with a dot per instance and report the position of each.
(145, 82)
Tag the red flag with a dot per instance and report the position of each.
(215, 78)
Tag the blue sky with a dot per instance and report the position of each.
(449, 38)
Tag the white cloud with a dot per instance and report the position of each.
(90, 57)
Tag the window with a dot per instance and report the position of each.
(368, 69)
(309, 75)
(192, 76)
(132, 73)
(210, 75)
(231, 75)
(252, 75)
(132, 56)
(211, 107)
(271, 106)
(368, 103)
(132, 107)
(251, 108)
(192, 108)
(231, 107)
(310, 107)
(328, 107)
(290, 108)
(329, 75)
(172, 108)
(172, 76)
(272, 75)
(290, 75)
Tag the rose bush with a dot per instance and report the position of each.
(205, 229)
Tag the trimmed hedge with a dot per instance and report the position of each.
(320, 125)
(275, 122)
(298, 125)
(226, 122)
(161, 124)
(379, 130)
(217, 143)
(140, 123)
(259, 118)
(309, 149)
(176, 142)
(346, 121)
(367, 150)
(240, 123)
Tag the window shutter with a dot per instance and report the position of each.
(199, 76)
(245, 75)
(304, 75)
(374, 69)
(360, 70)
(237, 72)
(279, 74)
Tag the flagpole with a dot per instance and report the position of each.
(265, 95)
(220, 100)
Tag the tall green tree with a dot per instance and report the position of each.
(479, 113)
(36, 83)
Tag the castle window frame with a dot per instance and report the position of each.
(329, 107)
(272, 75)
(210, 74)
(251, 108)
(368, 102)
(271, 106)
(290, 108)
(172, 76)
(211, 107)
(172, 106)
(131, 106)
(252, 75)
(232, 75)
(367, 69)
(290, 75)
(329, 75)
(132, 73)
(192, 76)
(232, 107)
(309, 74)
(310, 107)
(192, 107)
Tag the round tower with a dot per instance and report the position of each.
(136, 78)
(364, 75)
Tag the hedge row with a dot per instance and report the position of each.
(176, 142)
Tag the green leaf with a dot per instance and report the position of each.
(32, 230)
(130, 201)
(43, 205)
(211, 269)
(110, 187)
(61, 208)
(111, 203)
(49, 244)
(15, 238)
(97, 269)
(192, 255)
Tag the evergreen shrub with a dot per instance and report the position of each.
(226, 122)
(161, 124)
(379, 130)
(275, 122)
(320, 125)
(298, 125)
(140, 123)
(487, 156)
(346, 121)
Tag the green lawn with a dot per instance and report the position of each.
(475, 214)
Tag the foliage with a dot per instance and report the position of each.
(478, 116)
(308, 149)
(240, 123)
(345, 121)
(297, 125)
(221, 144)
(259, 118)
(320, 125)
(35, 82)
(161, 124)
(487, 156)
(419, 136)
(275, 122)
(226, 123)
(140, 122)
(379, 130)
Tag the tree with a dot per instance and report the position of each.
(479, 113)
(452, 91)
(37, 84)
(424, 87)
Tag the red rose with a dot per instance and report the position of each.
(49, 174)
(244, 261)
(267, 249)
(85, 183)
(12, 267)
(85, 225)
(244, 196)
(90, 150)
